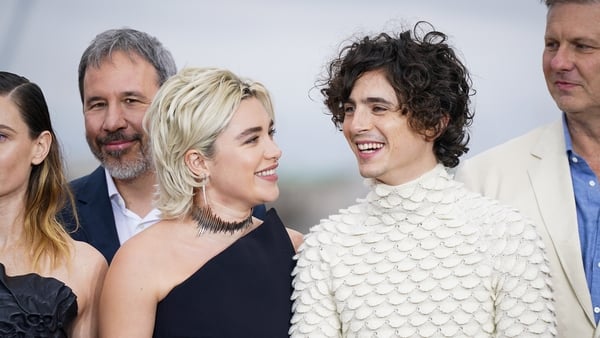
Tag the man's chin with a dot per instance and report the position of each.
(126, 171)
(367, 172)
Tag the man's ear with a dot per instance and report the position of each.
(443, 124)
(41, 147)
(196, 163)
(433, 134)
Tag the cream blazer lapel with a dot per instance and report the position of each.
(551, 183)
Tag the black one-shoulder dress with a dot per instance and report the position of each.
(242, 292)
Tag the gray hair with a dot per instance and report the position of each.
(130, 41)
(550, 3)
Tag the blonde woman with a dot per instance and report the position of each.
(208, 269)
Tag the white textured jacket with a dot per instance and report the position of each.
(424, 259)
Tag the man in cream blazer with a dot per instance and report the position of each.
(532, 174)
(551, 173)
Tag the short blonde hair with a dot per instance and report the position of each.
(190, 111)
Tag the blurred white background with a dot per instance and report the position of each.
(285, 45)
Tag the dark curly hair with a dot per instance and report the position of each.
(430, 82)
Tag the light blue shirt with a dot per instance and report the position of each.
(587, 201)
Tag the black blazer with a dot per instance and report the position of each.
(96, 221)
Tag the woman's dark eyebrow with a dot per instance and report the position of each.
(5, 127)
(249, 131)
(253, 130)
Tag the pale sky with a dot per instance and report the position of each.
(285, 45)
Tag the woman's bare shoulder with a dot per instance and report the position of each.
(296, 237)
(84, 253)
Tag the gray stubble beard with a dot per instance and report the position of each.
(126, 170)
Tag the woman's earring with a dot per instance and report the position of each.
(205, 179)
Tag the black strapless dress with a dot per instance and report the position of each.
(35, 306)
(242, 292)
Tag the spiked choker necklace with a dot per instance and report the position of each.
(207, 221)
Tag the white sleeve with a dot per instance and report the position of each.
(524, 301)
(314, 307)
